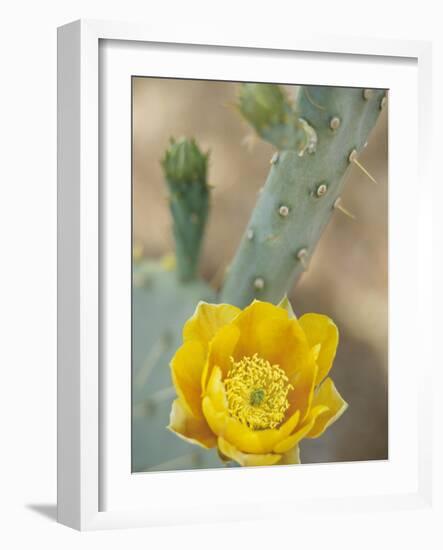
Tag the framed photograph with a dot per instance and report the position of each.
(240, 265)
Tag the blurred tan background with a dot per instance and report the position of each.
(348, 275)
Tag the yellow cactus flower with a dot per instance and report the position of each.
(254, 382)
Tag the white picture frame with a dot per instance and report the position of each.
(96, 490)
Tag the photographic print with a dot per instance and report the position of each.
(260, 274)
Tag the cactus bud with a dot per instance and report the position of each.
(268, 110)
(185, 168)
(263, 105)
(185, 163)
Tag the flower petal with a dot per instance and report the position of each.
(207, 320)
(249, 319)
(328, 396)
(294, 439)
(303, 381)
(187, 367)
(188, 427)
(283, 342)
(221, 349)
(320, 329)
(271, 338)
(237, 434)
(246, 459)
(216, 390)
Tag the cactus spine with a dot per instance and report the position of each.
(303, 186)
(185, 169)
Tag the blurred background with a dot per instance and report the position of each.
(347, 278)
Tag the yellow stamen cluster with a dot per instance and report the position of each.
(257, 392)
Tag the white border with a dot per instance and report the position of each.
(79, 322)
(118, 62)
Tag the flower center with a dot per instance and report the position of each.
(257, 392)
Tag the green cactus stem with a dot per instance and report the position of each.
(185, 170)
(301, 190)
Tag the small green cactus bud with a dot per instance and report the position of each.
(268, 110)
(263, 105)
(185, 163)
(185, 168)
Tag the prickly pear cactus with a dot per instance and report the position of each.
(304, 184)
